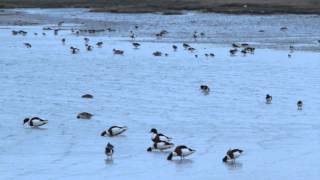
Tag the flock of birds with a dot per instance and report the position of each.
(160, 142)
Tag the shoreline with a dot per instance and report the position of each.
(176, 8)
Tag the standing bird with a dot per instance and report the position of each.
(160, 145)
(174, 47)
(109, 150)
(181, 151)
(232, 154)
(35, 122)
(300, 105)
(114, 131)
(268, 99)
(156, 137)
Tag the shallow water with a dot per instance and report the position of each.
(142, 92)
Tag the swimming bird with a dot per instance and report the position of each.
(84, 115)
(117, 51)
(268, 99)
(89, 47)
(56, 32)
(191, 49)
(205, 88)
(158, 136)
(160, 145)
(88, 96)
(28, 45)
(86, 39)
(114, 131)
(136, 45)
(185, 45)
(99, 44)
(300, 105)
(35, 121)
(232, 154)
(233, 51)
(235, 45)
(109, 150)
(181, 151)
(157, 53)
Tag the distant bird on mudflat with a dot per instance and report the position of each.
(268, 99)
(205, 88)
(99, 44)
(28, 45)
(84, 115)
(300, 105)
(232, 154)
(136, 45)
(157, 53)
(109, 150)
(87, 96)
(35, 122)
(74, 50)
(89, 47)
(160, 145)
(181, 151)
(118, 52)
(236, 45)
(114, 131)
(174, 47)
(156, 136)
(185, 45)
(63, 40)
(233, 51)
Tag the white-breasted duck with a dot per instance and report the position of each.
(300, 105)
(84, 115)
(181, 151)
(109, 150)
(35, 122)
(232, 154)
(160, 145)
(156, 136)
(268, 99)
(114, 131)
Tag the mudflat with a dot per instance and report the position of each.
(174, 6)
